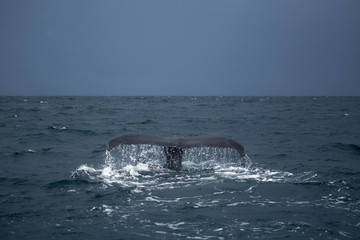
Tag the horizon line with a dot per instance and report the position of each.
(60, 95)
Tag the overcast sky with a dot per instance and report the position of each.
(182, 47)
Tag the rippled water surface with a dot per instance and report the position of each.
(300, 179)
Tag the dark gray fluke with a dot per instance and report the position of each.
(174, 147)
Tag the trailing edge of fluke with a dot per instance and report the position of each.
(181, 143)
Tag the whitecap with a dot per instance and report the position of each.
(172, 225)
(57, 127)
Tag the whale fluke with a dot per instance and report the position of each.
(174, 146)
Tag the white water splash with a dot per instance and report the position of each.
(140, 167)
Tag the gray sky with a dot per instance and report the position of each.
(183, 47)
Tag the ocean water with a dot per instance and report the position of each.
(300, 180)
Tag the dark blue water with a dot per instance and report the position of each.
(301, 180)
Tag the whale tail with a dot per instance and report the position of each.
(174, 147)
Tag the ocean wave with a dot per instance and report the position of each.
(347, 147)
(353, 148)
(21, 153)
(85, 132)
(67, 183)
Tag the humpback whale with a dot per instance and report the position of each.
(174, 147)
